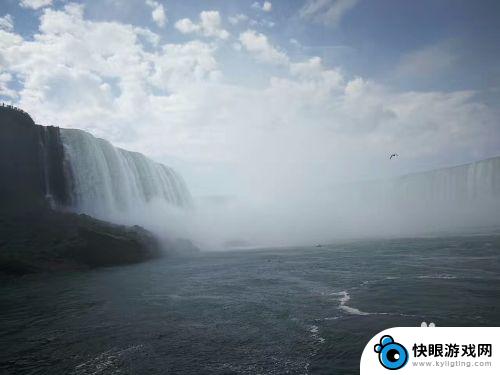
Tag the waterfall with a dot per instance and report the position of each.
(52, 162)
(109, 182)
(472, 182)
(465, 184)
(464, 196)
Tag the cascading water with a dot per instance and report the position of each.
(456, 197)
(110, 183)
(52, 162)
(465, 183)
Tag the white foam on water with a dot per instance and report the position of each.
(332, 318)
(376, 281)
(344, 298)
(314, 330)
(439, 276)
(106, 362)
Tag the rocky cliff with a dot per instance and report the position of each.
(37, 233)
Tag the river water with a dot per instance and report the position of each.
(269, 311)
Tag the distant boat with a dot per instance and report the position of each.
(319, 245)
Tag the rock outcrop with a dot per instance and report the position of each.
(48, 240)
(36, 233)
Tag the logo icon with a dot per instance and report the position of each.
(391, 355)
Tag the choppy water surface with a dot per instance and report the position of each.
(296, 311)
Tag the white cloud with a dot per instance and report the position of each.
(209, 25)
(35, 4)
(96, 75)
(262, 22)
(426, 61)
(294, 42)
(327, 12)
(6, 23)
(158, 14)
(240, 18)
(121, 83)
(181, 65)
(186, 26)
(5, 91)
(237, 18)
(268, 23)
(258, 45)
(266, 6)
(313, 71)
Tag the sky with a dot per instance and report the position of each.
(263, 98)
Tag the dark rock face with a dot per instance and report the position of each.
(32, 167)
(48, 241)
(34, 183)
(57, 176)
(21, 168)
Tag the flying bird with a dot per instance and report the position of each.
(393, 156)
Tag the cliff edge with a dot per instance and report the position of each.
(34, 234)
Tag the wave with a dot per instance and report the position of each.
(314, 330)
(108, 361)
(438, 276)
(344, 298)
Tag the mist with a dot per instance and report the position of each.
(352, 211)
(282, 132)
(297, 176)
(450, 201)
(309, 171)
(291, 186)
